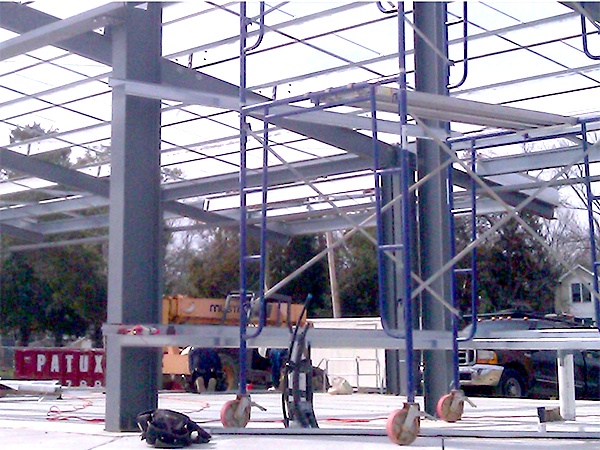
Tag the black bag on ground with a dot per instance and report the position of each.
(164, 428)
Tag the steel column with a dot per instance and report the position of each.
(431, 75)
(134, 287)
(566, 384)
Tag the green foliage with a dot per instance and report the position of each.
(515, 270)
(357, 273)
(179, 256)
(23, 298)
(77, 278)
(214, 271)
(289, 257)
(59, 291)
(62, 320)
(27, 132)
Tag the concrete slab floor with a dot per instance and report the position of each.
(75, 422)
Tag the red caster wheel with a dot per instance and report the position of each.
(236, 413)
(450, 407)
(403, 425)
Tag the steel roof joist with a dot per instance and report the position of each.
(66, 205)
(88, 183)
(539, 160)
(277, 175)
(21, 233)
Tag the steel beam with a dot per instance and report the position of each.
(22, 19)
(539, 160)
(310, 169)
(426, 105)
(189, 96)
(21, 233)
(55, 32)
(228, 337)
(64, 206)
(590, 9)
(88, 183)
(53, 172)
(277, 175)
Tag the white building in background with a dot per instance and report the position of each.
(363, 368)
(573, 296)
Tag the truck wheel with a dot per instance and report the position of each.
(512, 384)
(230, 371)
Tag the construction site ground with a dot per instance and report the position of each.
(348, 422)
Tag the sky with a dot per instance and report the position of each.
(508, 67)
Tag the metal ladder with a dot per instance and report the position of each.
(591, 197)
(470, 271)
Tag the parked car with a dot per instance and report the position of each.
(525, 373)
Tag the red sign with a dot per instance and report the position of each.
(72, 367)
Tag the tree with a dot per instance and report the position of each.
(77, 279)
(514, 270)
(569, 239)
(180, 253)
(23, 298)
(357, 271)
(285, 258)
(214, 270)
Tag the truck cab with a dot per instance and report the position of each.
(524, 373)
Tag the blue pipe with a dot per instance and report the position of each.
(406, 210)
(243, 371)
(472, 271)
(590, 202)
(452, 228)
(474, 294)
(381, 272)
(586, 49)
(261, 31)
(263, 239)
(465, 49)
(386, 11)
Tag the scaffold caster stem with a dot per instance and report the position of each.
(236, 413)
(403, 425)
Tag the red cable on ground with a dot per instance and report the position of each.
(55, 413)
(202, 408)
